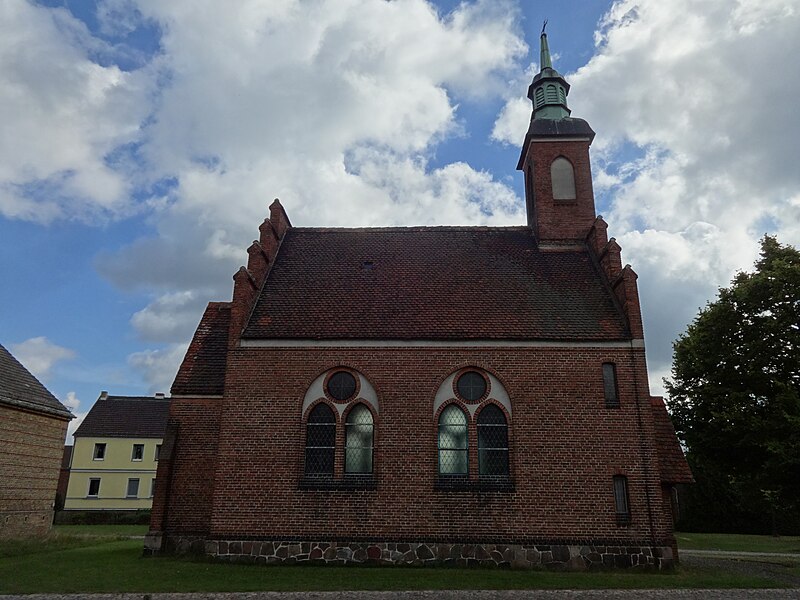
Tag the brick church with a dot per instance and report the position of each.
(429, 395)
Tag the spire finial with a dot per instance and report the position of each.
(544, 52)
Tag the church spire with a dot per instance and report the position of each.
(544, 50)
(549, 89)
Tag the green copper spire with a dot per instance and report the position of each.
(544, 50)
(549, 89)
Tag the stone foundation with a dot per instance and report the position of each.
(513, 556)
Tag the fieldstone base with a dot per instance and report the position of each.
(553, 557)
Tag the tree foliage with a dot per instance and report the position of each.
(735, 393)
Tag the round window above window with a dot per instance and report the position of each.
(341, 386)
(471, 386)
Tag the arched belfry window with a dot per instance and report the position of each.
(453, 459)
(492, 442)
(562, 176)
(358, 440)
(562, 96)
(320, 441)
(552, 93)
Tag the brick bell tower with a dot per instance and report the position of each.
(555, 160)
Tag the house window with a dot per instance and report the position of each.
(341, 386)
(471, 386)
(621, 499)
(157, 453)
(133, 488)
(562, 177)
(358, 444)
(610, 385)
(320, 441)
(152, 487)
(94, 487)
(492, 442)
(138, 452)
(453, 458)
(99, 452)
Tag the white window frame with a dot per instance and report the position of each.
(128, 488)
(133, 453)
(89, 489)
(97, 447)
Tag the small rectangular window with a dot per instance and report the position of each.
(94, 488)
(610, 385)
(133, 488)
(152, 487)
(138, 452)
(99, 452)
(621, 499)
(158, 452)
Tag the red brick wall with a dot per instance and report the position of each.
(185, 477)
(565, 448)
(555, 220)
(33, 445)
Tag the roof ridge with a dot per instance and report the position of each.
(414, 228)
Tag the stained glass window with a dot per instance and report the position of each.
(471, 386)
(358, 444)
(341, 385)
(453, 459)
(492, 442)
(320, 441)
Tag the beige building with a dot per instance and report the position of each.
(33, 425)
(116, 453)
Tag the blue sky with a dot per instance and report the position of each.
(142, 142)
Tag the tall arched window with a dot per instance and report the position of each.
(358, 444)
(320, 441)
(562, 177)
(453, 458)
(492, 441)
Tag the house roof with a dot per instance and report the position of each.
(674, 468)
(202, 371)
(444, 283)
(126, 416)
(18, 387)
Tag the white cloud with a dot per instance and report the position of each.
(704, 94)
(39, 355)
(69, 115)
(72, 403)
(158, 367)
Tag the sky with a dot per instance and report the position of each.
(142, 141)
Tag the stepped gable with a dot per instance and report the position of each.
(432, 283)
(674, 468)
(18, 387)
(126, 416)
(202, 371)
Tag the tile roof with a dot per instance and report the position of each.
(432, 283)
(18, 387)
(202, 371)
(126, 416)
(674, 468)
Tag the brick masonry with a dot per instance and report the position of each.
(565, 447)
(29, 470)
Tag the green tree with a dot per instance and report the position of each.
(735, 396)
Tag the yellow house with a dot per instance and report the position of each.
(115, 457)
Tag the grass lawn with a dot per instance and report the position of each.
(737, 542)
(79, 563)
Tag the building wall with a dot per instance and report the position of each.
(32, 448)
(114, 471)
(565, 448)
